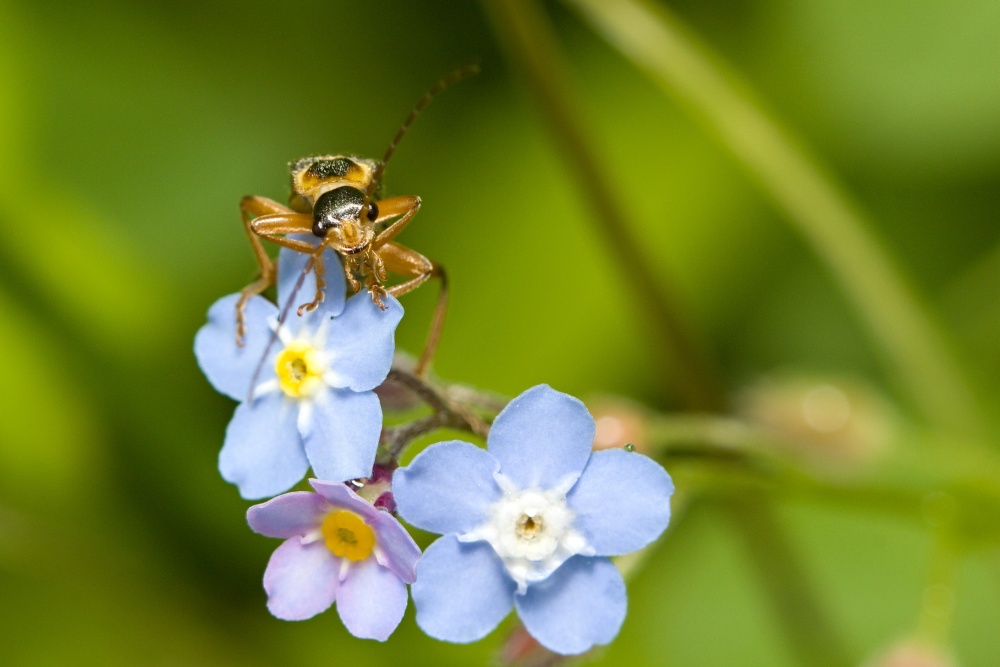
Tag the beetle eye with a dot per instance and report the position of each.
(373, 211)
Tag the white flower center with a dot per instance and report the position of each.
(531, 530)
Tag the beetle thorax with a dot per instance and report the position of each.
(312, 177)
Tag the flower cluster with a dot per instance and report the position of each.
(528, 524)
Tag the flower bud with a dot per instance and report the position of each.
(833, 425)
(619, 423)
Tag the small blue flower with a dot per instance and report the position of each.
(530, 524)
(313, 402)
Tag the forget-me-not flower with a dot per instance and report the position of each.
(338, 547)
(529, 523)
(312, 402)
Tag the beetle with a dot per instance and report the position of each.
(337, 198)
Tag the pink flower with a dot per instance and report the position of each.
(338, 548)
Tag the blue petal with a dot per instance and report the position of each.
(542, 438)
(448, 488)
(301, 580)
(229, 367)
(291, 514)
(371, 600)
(581, 604)
(621, 501)
(360, 341)
(462, 590)
(290, 266)
(341, 434)
(262, 453)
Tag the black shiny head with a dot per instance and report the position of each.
(335, 206)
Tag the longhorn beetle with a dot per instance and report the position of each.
(337, 199)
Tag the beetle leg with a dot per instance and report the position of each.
(376, 291)
(373, 269)
(265, 218)
(319, 270)
(378, 267)
(410, 263)
(405, 206)
(350, 265)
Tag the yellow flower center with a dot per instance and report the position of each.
(300, 369)
(347, 535)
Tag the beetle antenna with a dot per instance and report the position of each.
(281, 320)
(452, 78)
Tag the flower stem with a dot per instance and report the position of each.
(445, 413)
(532, 45)
(724, 455)
(815, 205)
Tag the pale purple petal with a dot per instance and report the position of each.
(621, 501)
(341, 434)
(288, 515)
(290, 265)
(361, 341)
(542, 438)
(447, 488)
(228, 366)
(262, 453)
(581, 604)
(462, 590)
(395, 548)
(340, 495)
(301, 580)
(371, 600)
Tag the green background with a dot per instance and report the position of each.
(129, 132)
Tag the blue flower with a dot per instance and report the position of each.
(313, 403)
(530, 524)
(337, 547)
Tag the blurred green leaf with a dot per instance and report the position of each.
(50, 440)
(87, 275)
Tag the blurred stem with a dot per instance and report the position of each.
(659, 44)
(786, 584)
(937, 609)
(720, 435)
(533, 46)
(716, 455)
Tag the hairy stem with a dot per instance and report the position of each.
(445, 413)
